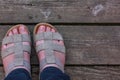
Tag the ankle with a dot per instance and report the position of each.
(52, 65)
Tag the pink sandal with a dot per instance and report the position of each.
(18, 50)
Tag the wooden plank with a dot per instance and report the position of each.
(82, 73)
(85, 44)
(33, 1)
(54, 11)
(88, 73)
(1, 73)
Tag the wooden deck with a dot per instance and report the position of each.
(91, 29)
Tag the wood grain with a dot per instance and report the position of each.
(86, 45)
(59, 11)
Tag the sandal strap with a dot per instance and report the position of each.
(49, 46)
(43, 63)
(18, 48)
(11, 49)
(16, 38)
(47, 36)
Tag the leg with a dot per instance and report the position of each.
(13, 71)
(19, 74)
(51, 71)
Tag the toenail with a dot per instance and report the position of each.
(15, 30)
(42, 27)
(22, 28)
(10, 33)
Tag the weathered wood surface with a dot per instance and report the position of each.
(83, 73)
(59, 11)
(86, 45)
(94, 73)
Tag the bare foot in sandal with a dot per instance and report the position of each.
(50, 49)
(12, 59)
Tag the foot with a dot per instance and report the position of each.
(41, 54)
(10, 58)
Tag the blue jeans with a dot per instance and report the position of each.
(49, 73)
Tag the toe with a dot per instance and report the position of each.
(57, 41)
(48, 29)
(41, 29)
(23, 30)
(15, 31)
(61, 42)
(9, 34)
(4, 47)
(53, 30)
